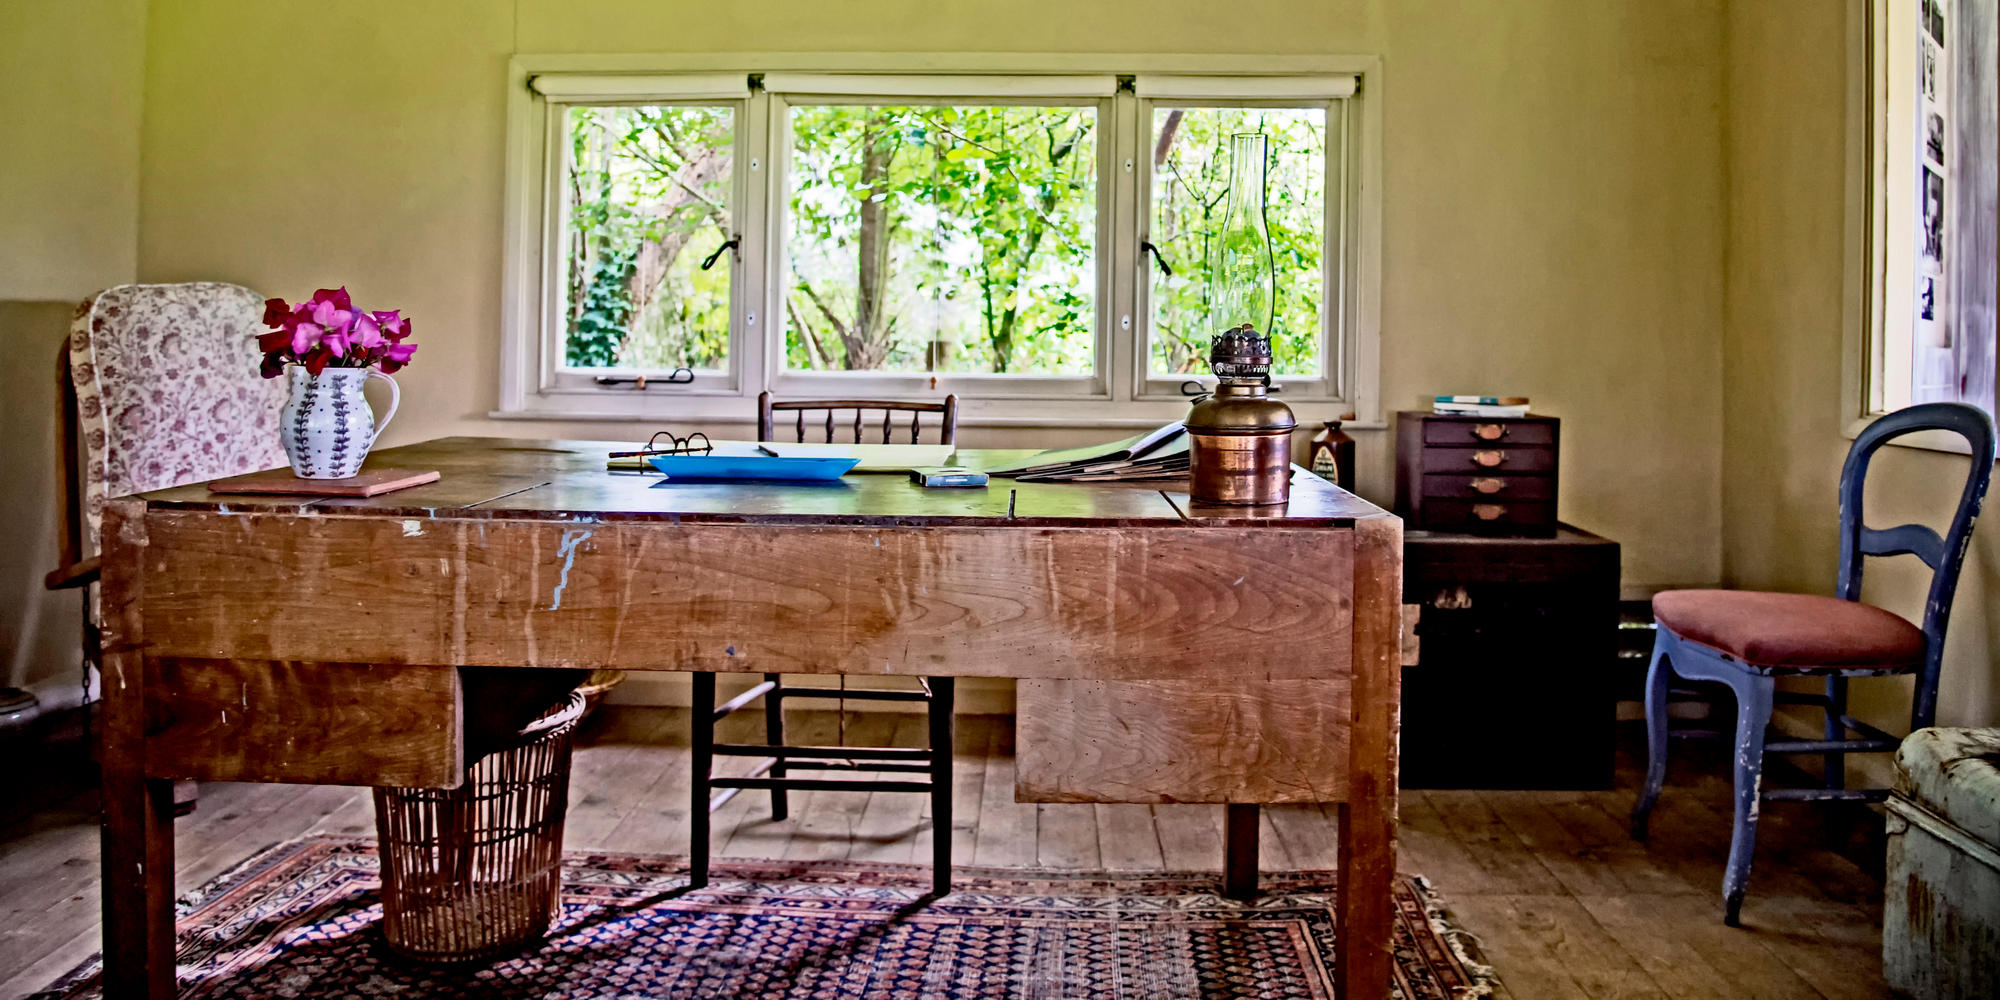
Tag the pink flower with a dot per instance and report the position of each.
(367, 332)
(305, 337)
(393, 323)
(395, 356)
(331, 316)
(328, 331)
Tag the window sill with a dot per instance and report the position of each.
(1944, 441)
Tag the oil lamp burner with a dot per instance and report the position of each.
(1239, 438)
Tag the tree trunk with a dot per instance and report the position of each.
(656, 257)
(867, 341)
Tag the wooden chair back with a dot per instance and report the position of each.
(159, 387)
(1945, 555)
(862, 423)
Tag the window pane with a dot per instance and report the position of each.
(1190, 200)
(942, 239)
(648, 200)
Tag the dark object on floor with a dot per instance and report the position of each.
(1748, 640)
(1491, 475)
(797, 929)
(472, 872)
(1515, 683)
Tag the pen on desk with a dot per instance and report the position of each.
(767, 451)
(1010, 504)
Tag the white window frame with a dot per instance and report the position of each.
(1330, 93)
(1118, 394)
(691, 90)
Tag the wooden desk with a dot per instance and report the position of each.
(1168, 652)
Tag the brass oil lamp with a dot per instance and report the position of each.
(1239, 438)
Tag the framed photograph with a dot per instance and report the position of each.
(1932, 196)
(1934, 136)
(1933, 15)
(1930, 71)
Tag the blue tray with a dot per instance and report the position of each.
(752, 467)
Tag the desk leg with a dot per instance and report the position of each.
(138, 867)
(138, 830)
(1239, 850)
(1363, 908)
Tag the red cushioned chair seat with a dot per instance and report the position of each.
(1792, 631)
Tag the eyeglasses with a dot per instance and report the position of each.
(694, 444)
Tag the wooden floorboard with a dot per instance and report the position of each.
(1562, 900)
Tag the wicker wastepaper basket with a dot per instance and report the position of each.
(472, 872)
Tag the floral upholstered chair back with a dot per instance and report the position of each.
(168, 392)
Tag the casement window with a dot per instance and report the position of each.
(1033, 241)
(1926, 181)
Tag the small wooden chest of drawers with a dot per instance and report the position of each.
(1494, 475)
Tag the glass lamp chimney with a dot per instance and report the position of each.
(1240, 270)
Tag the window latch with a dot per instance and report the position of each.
(717, 255)
(679, 376)
(1146, 246)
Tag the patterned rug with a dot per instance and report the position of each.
(298, 921)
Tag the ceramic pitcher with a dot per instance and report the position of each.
(326, 425)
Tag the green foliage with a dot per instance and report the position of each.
(921, 238)
(598, 330)
(990, 215)
(1190, 199)
(648, 200)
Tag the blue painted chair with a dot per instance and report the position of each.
(1747, 640)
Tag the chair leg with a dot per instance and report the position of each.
(1836, 706)
(703, 742)
(774, 734)
(1658, 678)
(1753, 716)
(943, 691)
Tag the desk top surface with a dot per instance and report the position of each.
(567, 480)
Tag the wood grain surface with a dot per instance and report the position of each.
(138, 844)
(1181, 741)
(1001, 602)
(310, 723)
(1367, 818)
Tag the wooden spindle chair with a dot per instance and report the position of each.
(863, 426)
(773, 772)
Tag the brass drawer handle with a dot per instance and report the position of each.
(1488, 459)
(1488, 511)
(1489, 432)
(1489, 484)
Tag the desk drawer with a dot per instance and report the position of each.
(1477, 461)
(1477, 515)
(1511, 488)
(1489, 432)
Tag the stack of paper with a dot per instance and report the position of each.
(1161, 453)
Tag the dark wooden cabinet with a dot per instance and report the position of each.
(1489, 475)
(1516, 681)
